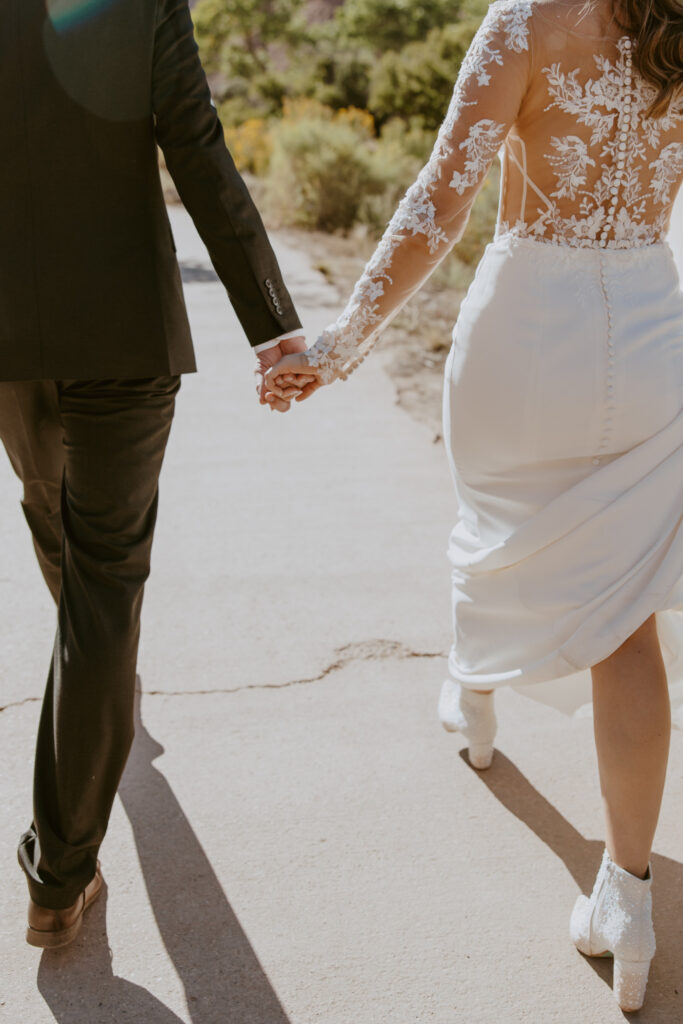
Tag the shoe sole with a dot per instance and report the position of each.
(55, 940)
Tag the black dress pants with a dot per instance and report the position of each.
(89, 453)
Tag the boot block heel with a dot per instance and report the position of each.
(618, 919)
(630, 982)
(480, 755)
(471, 714)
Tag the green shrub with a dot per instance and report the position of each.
(418, 80)
(322, 171)
(410, 136)
(239, 37)
(250, 44)
(241, 103)
(329, 172)
(390, 24)
(331, 71)
(397, 158)
(262, 51)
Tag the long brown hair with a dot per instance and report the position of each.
(656, 27)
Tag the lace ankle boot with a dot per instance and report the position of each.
(617, 921)
(472, 714)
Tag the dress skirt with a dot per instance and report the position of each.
(563, 418)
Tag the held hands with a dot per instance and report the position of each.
(279, 398)
(293, 377)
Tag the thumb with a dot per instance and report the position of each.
(295, 363)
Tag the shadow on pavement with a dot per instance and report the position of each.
(223, 980)
(80, 987)
(664, 999)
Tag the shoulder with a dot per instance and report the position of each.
(510, 20)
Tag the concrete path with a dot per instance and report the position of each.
(297, 840)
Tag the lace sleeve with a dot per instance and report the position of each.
(433, 214)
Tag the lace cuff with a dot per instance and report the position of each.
(336, 356)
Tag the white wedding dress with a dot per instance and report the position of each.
(564, 387)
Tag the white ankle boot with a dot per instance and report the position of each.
(617, 920)
(470, 713)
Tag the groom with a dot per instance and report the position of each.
(93, 339)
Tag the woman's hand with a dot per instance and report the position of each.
(291, 372)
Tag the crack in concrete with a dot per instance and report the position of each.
(18, 703)
(364, 650)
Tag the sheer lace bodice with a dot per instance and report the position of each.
(583, 165)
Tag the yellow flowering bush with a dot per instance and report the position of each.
(251, 145)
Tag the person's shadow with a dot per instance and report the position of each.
(223, 980)
(581, 857)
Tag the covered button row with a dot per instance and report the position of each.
(610, 407)
(623, 136)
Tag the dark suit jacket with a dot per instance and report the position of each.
(89, 283)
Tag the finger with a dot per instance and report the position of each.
(309, 390)
(278, 404)
(274, 383)
(285, 390)
(260, 375)
(294, 363)
(299, 379)
(273, 387)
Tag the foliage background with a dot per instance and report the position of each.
(334, 104)
(330, 108)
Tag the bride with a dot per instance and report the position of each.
(563, 398)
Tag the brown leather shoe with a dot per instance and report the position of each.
(49, 929)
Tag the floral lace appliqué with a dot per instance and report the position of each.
(614, 107)
(598, 172)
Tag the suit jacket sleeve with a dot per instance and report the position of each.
(191, 137)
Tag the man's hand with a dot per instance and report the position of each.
(294, 371)
(265, 360)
